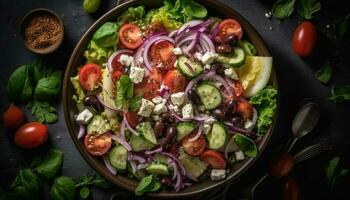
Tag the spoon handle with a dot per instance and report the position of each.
(290, 144)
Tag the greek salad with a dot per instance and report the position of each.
(172, 96)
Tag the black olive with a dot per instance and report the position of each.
(158, 129)
(224, 49)
(230, 40)
(218, 114)
(166, 117)
(193, 96)
(166, 181)
(238, 121)
(231, 109)
(168, 136)
(93, 101)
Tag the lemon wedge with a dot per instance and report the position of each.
(254, 74)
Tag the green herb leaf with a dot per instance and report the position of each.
(308, 8)
(29, 180)
(79, 92)
(245, 144)
(43, 112)
(20, 192)
(340, 93)
(135, 103)
(19, 86)
(339, 26)
(332, 174)
(101, 182)
(84, 192)
(48, 88)
(283, 8)
(266, 103)
(51, 163)
(106, 35)
(324, 74)
(124, 91)
(147, 184)
(63, 188)
(191, 8)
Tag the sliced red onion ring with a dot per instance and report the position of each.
(148, 45)
(142, 166)
(240, 130)
(100, 99)
(172, 33)
(178, 117)
(254, 120)
(174, 166)
(133, 166)
(201, 117)
(82, 131)
(115, 54)
(157, 150)
(137, 158)
(198, 134)
(214, 30)
(122, 129)
(188, 24)
(108, 165)
(223, 82)
(190, 176)
(182, 168)
(205, 38)
(179, 183)
(128, 125)
(198, 78)
(122, 142)
(164, 91)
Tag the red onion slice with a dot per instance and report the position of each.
(133, 166)
(174, 166)
(172, 33)
(198, 78)
(201, 117)
(108, 165)
(100, 99)
(182, 168)
(142, 166)
(188, 25)
(240, 130)
(178, 117)
(82, 131)
(254, 120)
(122, 142)
(157, 150)
(198, 134)
(214, 30)
(206, 39)
(128, 125)
(115, 54)
(137, 158)
(224, 83)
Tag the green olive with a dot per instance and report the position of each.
(91, 6)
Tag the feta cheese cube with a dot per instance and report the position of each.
(84, 117)
(156, 118)
(157, 100)
(206, 128)
(177, 51)
(231, 73)
(239, 155)
(198, 56)
(207, 67)
(210, 120)
(178, 98)
(201, 108)
(126, 60)
(217, 174)
(187, 111)
(136, 74)
(208, 57)
(160, 108)
(174, 108)
(247, 124)
(146, 108)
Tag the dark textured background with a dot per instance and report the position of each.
(295, 76)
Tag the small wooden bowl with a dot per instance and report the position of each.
(37, 12)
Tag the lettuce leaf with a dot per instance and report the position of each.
(135, 15)
(79, 92)
(266, 103)
(107, 35)
(97, 54)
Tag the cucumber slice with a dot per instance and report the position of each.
(183, 129)
(158, 168)
(210, 95)
(236, 60)
(145, 129)
(118, 157)
(247, 47)
(159, 158)
(193, 165)
(217, 136)
(140, 144)
(182, 63)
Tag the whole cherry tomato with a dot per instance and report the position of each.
(13, 117)
(31, 135)
(282, 165)
(291, 190)
(304, 39)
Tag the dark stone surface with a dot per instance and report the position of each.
(295, 76)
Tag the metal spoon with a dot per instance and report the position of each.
(304, 122)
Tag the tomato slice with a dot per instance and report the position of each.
(237, 88)
(132, 119)
(148, 88)
(154, 27)
(116, 75)
(244, 108)
(230, 27)
(162, 55)
(130, 36)
(116, 65)
(194, 148)
(214, 159)
(175, 81)
(89, 76)
(98, 145)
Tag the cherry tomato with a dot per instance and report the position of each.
(132, 118)
(89, 76)
(98, 145)
(281, 165)
(230, 27)
(156, 75)
(244, 108)
(194, 148)
(237, 88)
(291, 190)
(148, 88)
(162, 55)
(31, 135)
(116, 75)
(214, 159)
(154, 27)
(116, 65)
(304, 39)
(175, 81)
(13, 117)
(130, 36)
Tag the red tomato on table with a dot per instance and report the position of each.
(304, 39)
(13, 117)
(31, 135)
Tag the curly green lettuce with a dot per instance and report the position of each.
(97, 54)
(266, 103)
(79, 92)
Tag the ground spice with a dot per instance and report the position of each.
(43, 31)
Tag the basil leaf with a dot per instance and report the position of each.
(324, 74)
(332, 174)
(282, 9)
(51, 163)
(20, 192)
(135, 103)
(308, 8)
(19, 86)
(191, 8)
(43, 112)
(124, 91)
(106, 35)
(48, 88)
(144, 185)
(84, 192)
(245, 144)
(29, 180)
(339, 26)
(101, 182)
(63, 188)
(340, 94)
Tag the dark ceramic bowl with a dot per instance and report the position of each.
(215, 9)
